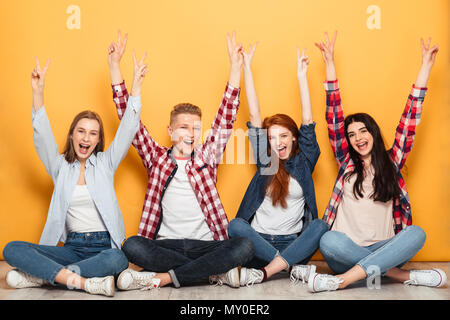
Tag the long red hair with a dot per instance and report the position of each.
(278, 185)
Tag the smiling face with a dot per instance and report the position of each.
(360, 139)
(85, 137)
(185, 132)
(281, 141)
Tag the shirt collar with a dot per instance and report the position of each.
(91, 161)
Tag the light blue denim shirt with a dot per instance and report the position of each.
(99, 175)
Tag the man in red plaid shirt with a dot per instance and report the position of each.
(182, 236)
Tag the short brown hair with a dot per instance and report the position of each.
(69, 150)
(185, 108)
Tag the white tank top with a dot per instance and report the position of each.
(82, 215)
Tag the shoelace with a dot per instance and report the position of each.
(333, 281)
(295, 275)
(146, 286)
(215, 280)
(254, 275)
(410, 282)
(97, 286)
(27, 279)
(218, 282)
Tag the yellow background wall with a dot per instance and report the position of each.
(187, 55)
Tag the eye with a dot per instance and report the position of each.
(351, 135)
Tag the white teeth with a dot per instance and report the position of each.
(361, 145)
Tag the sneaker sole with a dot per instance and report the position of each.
(442, 275)
(242, 277)
(311, 282)
(112, 287)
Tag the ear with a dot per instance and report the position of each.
(169, 130)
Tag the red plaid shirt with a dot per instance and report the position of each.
(201, 170)
(404, 137)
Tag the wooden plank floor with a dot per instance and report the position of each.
(278, 287)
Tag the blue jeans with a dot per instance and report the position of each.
(188, 261)
(87, 254)
(341, 253)
(292, 248)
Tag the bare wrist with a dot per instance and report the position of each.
(114, 65)
(136, 91)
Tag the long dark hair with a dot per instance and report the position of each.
(69, 150)
(278, 185)
(385, 182)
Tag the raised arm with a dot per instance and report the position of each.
(334, 113)
(250, 91)
(43, 138)
(236, 60)
(222, 125)
(130, 120)
(406, 129)
(143, 142)
(327, 50)
(115, 53)
(307, 139)
(302, 68)
(38, 83)
(428, 58)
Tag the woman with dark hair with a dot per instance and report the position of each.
(369, 211)
(83, 213)
(278, 212)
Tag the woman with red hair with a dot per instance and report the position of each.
(278, 212)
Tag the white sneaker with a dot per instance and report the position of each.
(230, 278)
(130, 279)
(302, 272)
(18, 279)
(430, 278)
(104, 286)
(323, 282)
(251, 276)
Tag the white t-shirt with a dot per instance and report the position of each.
(275, 220)
(182, 216)
(82, 215)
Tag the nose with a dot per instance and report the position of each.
(85, 138)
